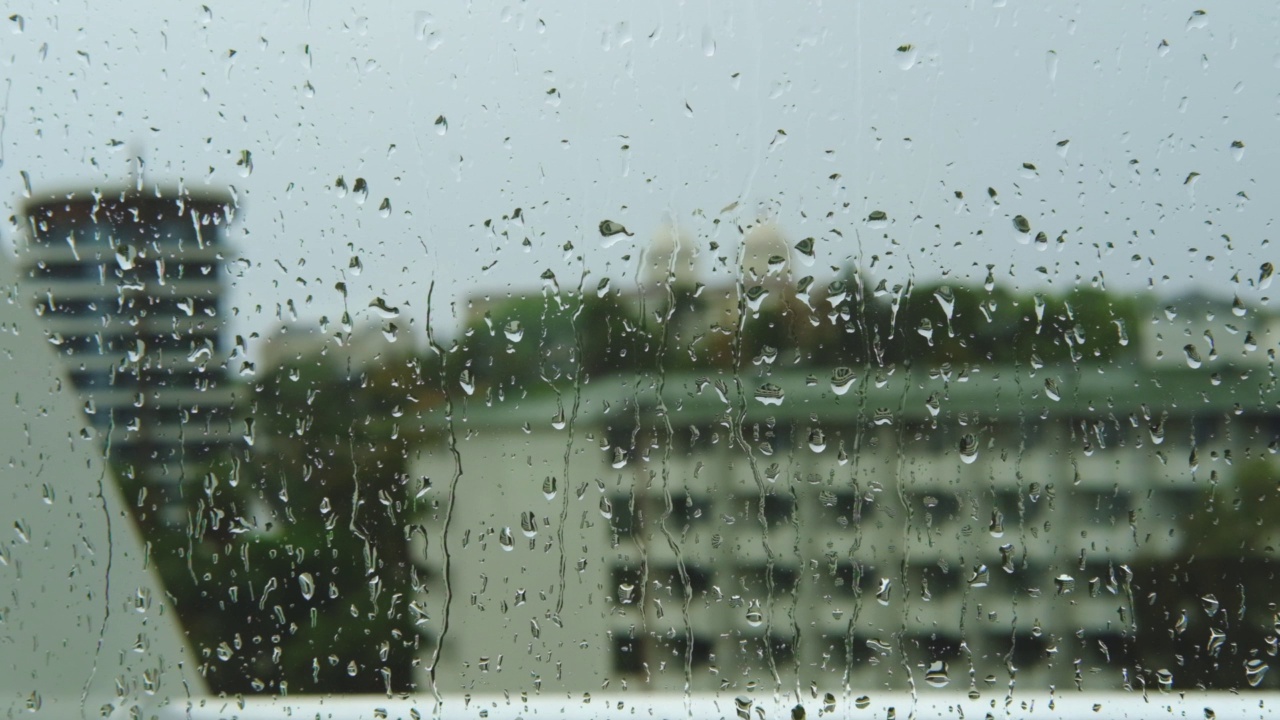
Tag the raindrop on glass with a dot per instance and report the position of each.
(841, 379)
(1064, 584)
(883, 589)
(968, 448)
(936, 676)
(769, 394)
(980, 577)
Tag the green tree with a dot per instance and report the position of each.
(1222, 584)
(291, 572)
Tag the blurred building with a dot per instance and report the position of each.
(843, 529)
(129, 286)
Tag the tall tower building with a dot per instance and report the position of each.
(129, 287)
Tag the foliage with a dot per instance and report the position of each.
(1222, 583)
(321, 496)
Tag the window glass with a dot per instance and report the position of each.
(583, 359)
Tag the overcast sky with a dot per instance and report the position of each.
(811, 114)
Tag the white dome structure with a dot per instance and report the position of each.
(765, 254)
(669, 259)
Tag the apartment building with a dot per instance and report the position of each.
(831, 530)
(129, 287)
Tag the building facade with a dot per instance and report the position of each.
(129, 286)
(841, 525)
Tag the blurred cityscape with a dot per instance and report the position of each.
(774, 484)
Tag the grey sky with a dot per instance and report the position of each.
(541, 97)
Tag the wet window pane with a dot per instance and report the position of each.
(732, 361)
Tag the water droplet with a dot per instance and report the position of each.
(980, 577)
(877, 220)
(384, 208)
(606, 508)
(1254, 671)
(1217, 638)
(549, 488)
(883, 589)
(968, 448)
(307, 584)
(467, 381)
(603, 288)
(1211, 604)
(1165, 679)
(837, 291)
(755, 297)
(1193, 356)
(619, 458)
(360, 190)
(1051, 390)
(708, 42)
(997, 524)
(1021, 224)
(742, 705)
(528, 524)
(828, 703)
(557, 420)
(769, 394)
(549, 281)
(936, 676)
(1006, 558)
(879, 646)
(841, 379)
(387, 312)
(245, 163)
(817, 440)
(755, 616)
(1180, 626)
(933, 405)
(805, 250)
(926, 330)
(626, 593)
(946, 297)
(442, 125)
(862, 702)
(1064, 584)
(609, 228)
(767, 355)
(506, 539)
(514, 331)
(1157, 431)
(1264, 275)
(225, 652)
(906, 55)
(802, 290)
